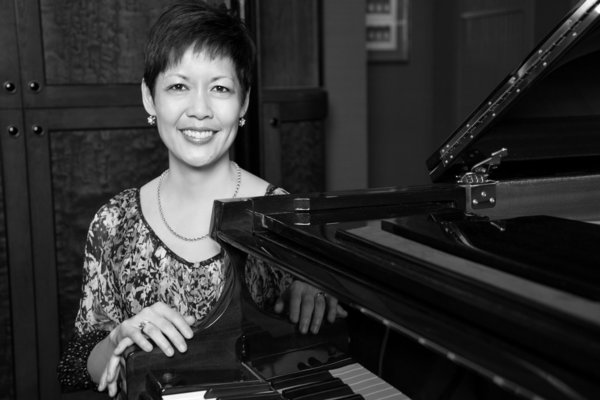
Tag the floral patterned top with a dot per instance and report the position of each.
(127, 267)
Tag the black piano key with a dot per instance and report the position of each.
(355, 396)
(308, 388)
(334, 393)
(238, 388)
(287, 382)
(255, 396)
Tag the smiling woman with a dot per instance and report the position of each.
(200, 101)
(152, 276)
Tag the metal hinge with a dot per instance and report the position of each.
(481, 191)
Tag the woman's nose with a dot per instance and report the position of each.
(200, 106)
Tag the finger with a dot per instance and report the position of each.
(295, 300)
(306, 311)
(122, 375)
(332, 308)
(123, 345)
(318, 312)
(178, 322)
(173, 336)
(189, 319)
(112, 369)
(341, 312)
(155, 333)
(113, 388)
(139, 337)
(102, 384)
(169, 317)
(279, 305)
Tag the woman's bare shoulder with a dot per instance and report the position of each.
(253, 185)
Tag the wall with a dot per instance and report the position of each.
(345, 79)
(404, 127)
(400, 108)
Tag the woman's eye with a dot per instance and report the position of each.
(221, 89)
(177, 87)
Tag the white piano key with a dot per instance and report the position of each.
(364, 382)
(196, 395)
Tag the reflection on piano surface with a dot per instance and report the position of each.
(483, 285)
(247, 353)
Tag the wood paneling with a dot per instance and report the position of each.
(7, 384)
(98, 42)
(83, 53)
(289, 43)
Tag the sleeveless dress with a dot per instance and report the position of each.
(127, 267)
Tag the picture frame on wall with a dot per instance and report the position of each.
(387, 30)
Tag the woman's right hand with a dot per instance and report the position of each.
(159, 323)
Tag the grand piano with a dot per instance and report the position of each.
(483, 285)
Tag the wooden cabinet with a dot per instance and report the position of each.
(73, 133)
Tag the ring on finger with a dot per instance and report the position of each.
(320, 294)
(143, 324)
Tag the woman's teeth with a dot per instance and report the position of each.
(197, 134)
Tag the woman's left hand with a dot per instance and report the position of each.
(114, 372)
(307, 306)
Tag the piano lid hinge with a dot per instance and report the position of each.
(481, 191)
(481, 196)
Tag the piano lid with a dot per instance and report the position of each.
(546, 113)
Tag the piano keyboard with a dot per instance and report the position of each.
(350, 382)
(367, 384)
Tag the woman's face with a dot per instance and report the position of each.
(197, 104)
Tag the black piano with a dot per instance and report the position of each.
(483, 285)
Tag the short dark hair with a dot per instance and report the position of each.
(209, 28)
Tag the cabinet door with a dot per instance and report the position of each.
(83, 53)
(77, 160)
(85, 138)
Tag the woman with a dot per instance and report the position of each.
(151, 272)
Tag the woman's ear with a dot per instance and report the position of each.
(147, 99)
(245, 105)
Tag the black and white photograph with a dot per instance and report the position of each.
(300, 199)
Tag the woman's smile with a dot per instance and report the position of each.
(197, 136)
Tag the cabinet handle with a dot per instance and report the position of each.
(13, 131)
(38, 130)
(9, 86)
(34, 86)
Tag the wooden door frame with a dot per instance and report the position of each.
(19, 249)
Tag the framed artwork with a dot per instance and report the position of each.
(387, 30)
